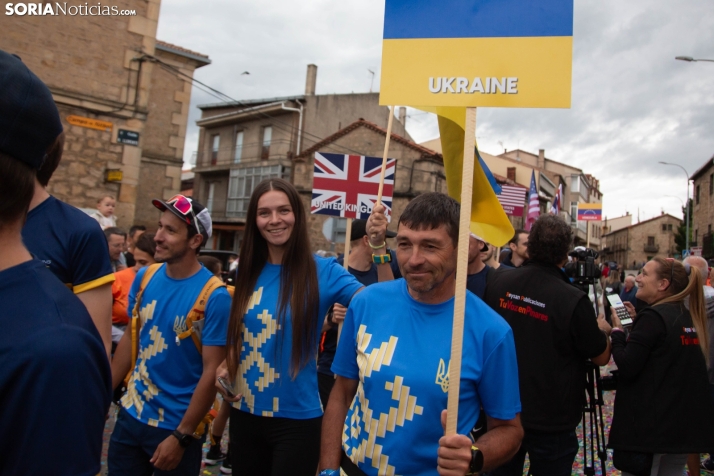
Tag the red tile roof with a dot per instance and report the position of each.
(425, 152)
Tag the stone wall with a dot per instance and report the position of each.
(702, 212)
(100, 68)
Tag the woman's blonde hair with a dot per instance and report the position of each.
(686, 282)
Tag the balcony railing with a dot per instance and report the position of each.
(253, 152)
(651, 249)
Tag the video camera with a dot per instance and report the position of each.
(583, 270)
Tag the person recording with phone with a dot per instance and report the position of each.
(663, 408)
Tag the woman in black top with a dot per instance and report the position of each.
(663, 409)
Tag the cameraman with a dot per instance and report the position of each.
(556, 331)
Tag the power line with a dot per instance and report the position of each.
(280, 125)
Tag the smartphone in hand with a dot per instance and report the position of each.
(227, 387)
(620, 309)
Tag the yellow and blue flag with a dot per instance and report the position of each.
(473, 53)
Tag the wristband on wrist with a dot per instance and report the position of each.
(381, 259)
(330, 472)
(383, 245)
(476, 461)
(617, 329)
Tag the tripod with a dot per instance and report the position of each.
(593, 425)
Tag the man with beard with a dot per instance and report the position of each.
(519, 249)
(171, 387)
(478, 271)
(394, 355)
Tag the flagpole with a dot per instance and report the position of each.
(384, 155)
(345, 263)
(457, 333)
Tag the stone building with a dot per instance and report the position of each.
(613, 224)
(123, 98)
(703, 208)
(636, 244)
(242, 143)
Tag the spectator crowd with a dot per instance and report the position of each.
(315, 367)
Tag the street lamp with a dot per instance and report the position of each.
(687, 174)
(690, 59)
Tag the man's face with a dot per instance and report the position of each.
(171, 239)
(475, 249)
(142, 259)
(131, 240)
(488, 254)
(116, 246)
(629, 283)
(427, 258)
(520, 248)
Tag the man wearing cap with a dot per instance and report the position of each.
(171, 387)
(67, 240)
(477, 270)
(55, 379)
(363, 267)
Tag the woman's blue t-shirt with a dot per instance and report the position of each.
(264, 370)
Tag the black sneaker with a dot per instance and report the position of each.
(226, 467)
(707, 465)
(214, 455)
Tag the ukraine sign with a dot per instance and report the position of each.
(474, 53)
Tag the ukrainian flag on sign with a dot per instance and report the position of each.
(471, 53)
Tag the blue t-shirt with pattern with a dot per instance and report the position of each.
(264, 370)
(167, 371)
(399, 349)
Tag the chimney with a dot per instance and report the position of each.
(403, 115)
(311, 80)
(511, 173)
(541, 159)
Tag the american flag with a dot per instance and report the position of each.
(533, 205)
(512, 200)
(347, 185)
(557, 201)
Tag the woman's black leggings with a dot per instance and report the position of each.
(267, 446)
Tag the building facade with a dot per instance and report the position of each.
(703, 209)
(244, 142)
(123, 98)
(634, 245)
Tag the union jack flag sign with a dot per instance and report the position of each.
(347, 185)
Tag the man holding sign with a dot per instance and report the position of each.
(393, 360)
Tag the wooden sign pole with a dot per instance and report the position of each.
(457, 335)
(345, 263)
(385, 154)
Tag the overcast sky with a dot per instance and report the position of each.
(632, 104)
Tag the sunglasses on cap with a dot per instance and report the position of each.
(184, 206)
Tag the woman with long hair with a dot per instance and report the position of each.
(663, 408)
(282, 294)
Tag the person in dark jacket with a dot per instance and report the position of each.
(663, 409)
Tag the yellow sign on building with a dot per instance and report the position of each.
(90, 123)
